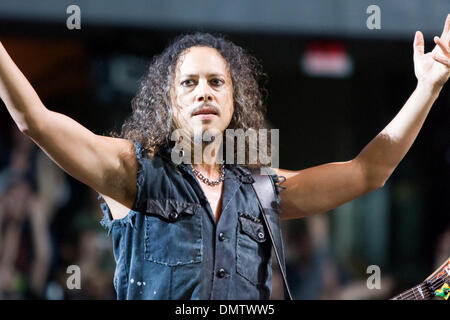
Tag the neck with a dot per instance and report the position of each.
(209, 170)
(206, 155)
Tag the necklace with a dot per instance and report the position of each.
(208, 181)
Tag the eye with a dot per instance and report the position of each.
(188, 83)
(216, 82)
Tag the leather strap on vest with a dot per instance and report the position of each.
(264, 189)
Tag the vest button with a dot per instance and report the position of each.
(261, 235)
(173, 216)
(221, 236)
(222, 273)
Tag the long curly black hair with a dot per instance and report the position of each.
(151, 122)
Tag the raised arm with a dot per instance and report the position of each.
(325, 187)
(106, 164)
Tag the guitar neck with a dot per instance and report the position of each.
(436, 285)
(420, 292)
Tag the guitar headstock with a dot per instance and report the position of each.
(439, 281)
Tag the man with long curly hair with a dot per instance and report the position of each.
(193, 230)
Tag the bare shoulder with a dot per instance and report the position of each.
(122, 176)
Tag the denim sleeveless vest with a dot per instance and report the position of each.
(169, 245)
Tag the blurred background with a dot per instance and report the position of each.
(333, 84)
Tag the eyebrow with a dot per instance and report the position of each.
(196, 74)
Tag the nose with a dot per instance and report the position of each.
(204, 92)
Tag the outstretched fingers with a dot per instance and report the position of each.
(442, 59)
(444, 47)
(419, 44)
(446, 30)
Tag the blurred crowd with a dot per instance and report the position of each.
(47, 225)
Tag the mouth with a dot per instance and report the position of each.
(205, 112)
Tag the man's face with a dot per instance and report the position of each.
(202, 91)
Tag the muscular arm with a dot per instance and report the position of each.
(106, 164)
(325, 187)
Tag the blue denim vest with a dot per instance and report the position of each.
(169, 245)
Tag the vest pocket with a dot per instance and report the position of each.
(252, 253)
(173, 232)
